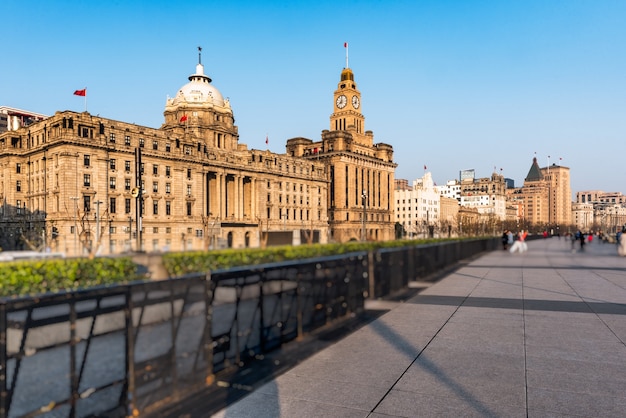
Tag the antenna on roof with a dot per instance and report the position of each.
(199, 55)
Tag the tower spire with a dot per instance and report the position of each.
(345, 45)
(199, 55)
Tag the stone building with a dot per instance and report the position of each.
(78, 183)
(417, 208)
(546, 196)
(360, 172)
(486, 194)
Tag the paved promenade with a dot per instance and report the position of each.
(507, 335)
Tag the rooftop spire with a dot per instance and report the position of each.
(199, 55)
(345, 45)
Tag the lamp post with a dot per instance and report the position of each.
(364, 201)
(98, 203)
(75, 199)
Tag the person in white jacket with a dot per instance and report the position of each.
(621, 244)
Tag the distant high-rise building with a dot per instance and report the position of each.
(417, 208)
(11, 119)
(545, 196)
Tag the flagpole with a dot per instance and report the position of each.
(85, 99)
(346, 45)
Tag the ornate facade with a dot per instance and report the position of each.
(78, 183)
(546, 196)
(82, 184)
(360, 172)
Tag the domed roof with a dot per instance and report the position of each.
(199, 90)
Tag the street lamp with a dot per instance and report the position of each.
(75, 199)
(364, 201)
(98, 203)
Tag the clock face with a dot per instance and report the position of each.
(355, 102)
(341, 101)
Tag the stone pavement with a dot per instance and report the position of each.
(537, 334)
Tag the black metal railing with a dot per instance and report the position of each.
(124, 350)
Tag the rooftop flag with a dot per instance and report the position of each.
(82, 92)
(183, 118)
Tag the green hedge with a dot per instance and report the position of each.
(178, 264)
(53, 275)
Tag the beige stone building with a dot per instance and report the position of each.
(546, 197)
(78, 183)
(360, 172)
(82, 184)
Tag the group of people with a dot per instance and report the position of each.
(514, 241)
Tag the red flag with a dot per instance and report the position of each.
(183, 118)
(82, 92)
(345, 44)
(424, 167)
(314, 150)
(267, 140)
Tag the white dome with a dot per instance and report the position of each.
(199, 90)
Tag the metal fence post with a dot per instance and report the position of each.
(130, 355)
(3, 360)
(209, 293)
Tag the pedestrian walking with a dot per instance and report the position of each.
(621, 244)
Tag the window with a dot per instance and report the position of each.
(18, 205)
(112, 206)
(188, 208)
(112, 163)
(126, 205)
(155, 186)
(167, 170)
(155, 169)
(189, 190)
(87, 203)
(168, 147)
(168, 207)
(155, 145)
(188, 150)
(199, 233)
(127, 165)
(87, 180)
(18, 186)
(112, 137)
(18, 168)
(127, 184)
(155, 207)
(189, 173)
(86, 160)
(112, 182)
(143, 166)
(127, 140)
(168, 188)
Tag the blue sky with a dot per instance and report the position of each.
(451, 85)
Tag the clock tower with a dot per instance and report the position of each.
(347, 114)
